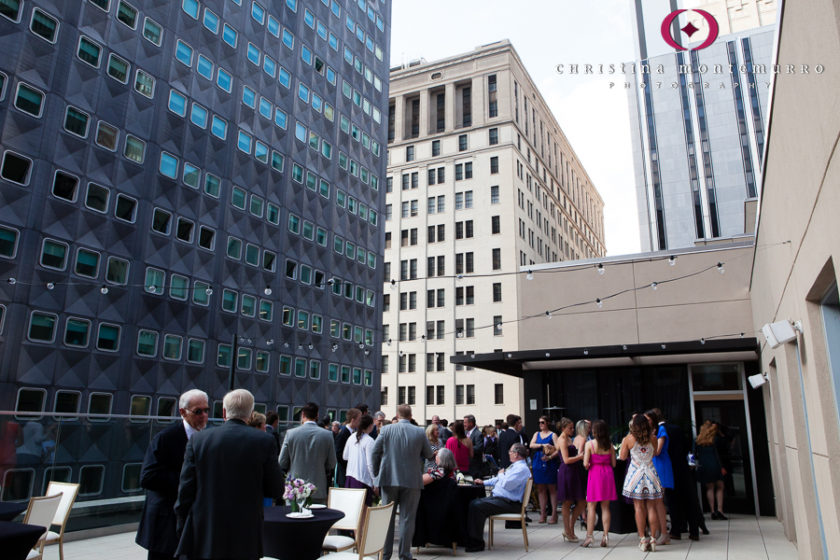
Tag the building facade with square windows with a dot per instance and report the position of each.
(481, 184)
(192, 196)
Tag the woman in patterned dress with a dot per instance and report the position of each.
(642, 483)
(433, 435)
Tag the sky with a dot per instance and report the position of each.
(593, 115)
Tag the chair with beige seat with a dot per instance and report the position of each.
(371, 542)
(351, 502)
(514, 516)
(68, 491)
(41, 512)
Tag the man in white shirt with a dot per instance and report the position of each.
(508, 487)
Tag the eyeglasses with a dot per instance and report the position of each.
(542, 421)
(198, 411)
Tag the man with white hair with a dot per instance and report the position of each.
(159, 476)
(227, 472)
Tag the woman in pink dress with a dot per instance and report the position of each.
(599, 460)
(460, 446)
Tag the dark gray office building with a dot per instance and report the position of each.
(185, 186)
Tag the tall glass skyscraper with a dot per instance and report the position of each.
(191, 195)
(697, 120)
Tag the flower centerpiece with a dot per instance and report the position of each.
(299, 493)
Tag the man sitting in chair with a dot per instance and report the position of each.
(506, 497)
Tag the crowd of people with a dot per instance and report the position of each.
(192, 475)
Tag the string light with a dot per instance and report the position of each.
(50, 286)
(103, 290)
(720, 267)
(309, 346)
(601, 269)
(672, 260)
(654, 285)
(529, 276)
(334, 347)
(548, 314)
(12, 281)
(267, 290)
(599, 303)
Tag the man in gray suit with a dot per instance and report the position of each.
(397, 459)
(477, 459)
(308, 452)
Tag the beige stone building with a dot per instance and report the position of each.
(481, 182)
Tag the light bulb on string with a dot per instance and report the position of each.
(269, 342)
(103, 290)
(50, 286)
(720, 267)
(548, 314)
(529, 276)
(653, 285)
(599, 303)
(12, 281)
(702, 341)
(208, 290)
(309, 346)
(672, 260)
(334, 347)
(267, 290)
(393, 284)
(601, 269)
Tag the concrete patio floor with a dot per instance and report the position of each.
(742, 537)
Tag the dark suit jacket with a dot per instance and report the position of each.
(678, 447)
(159, 476)
(227, 471)
(506, 438)
(477, 459)
(340, 441)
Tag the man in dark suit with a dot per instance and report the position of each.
(227, 471)
(477, 459)
(682, 500)
(159, 476)
(344, 433)
(508, 437)
(397, 463)
(308, 452)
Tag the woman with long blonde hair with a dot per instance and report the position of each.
(710, 471)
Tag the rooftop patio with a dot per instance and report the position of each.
(741, 537)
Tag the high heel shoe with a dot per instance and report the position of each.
(644, 544)
(587, 541)
(663, 539)
(570, 538)
(652, 547)
(552, 521)
(605, 541)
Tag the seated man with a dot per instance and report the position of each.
(508, 487)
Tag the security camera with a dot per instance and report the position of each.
(757, 380)
(780, 332)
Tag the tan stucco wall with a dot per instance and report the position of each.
(707, 305)
(798, 240)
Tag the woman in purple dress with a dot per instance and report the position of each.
(571, 487)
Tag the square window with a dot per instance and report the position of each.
(230, 300)
(89, 51)
(125, 208)
(252, 254)
(284, 77)
(54, 254)
(190, 7)
(118, 68)
(117, 272)
(201, 292)
(11, 9)
(195, 351)
(146, 345)
(177, 103)
(229, 35)
(42, 326)
(212, 185)
(191, 175)
(108, 338)
(29, 100)
(244, 142)
(154, 280)
(43, 25)
(107, 136)
(76, 121)
(253, 54)
(211, 21)
(127, 14)
(97, 197)
(179, 287)
(183, 53)
(161, 221)
(204, 67)
(135, 149)
(168, 165)
(249, 305)
(218, 127)
(87, 263)
(238, 197)
(152, 31)
(198, 115)
(172, 347)
(16, 168)
(224, 80)
(184, 229)
(234, 248)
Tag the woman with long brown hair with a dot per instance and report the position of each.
(461, 446)
(571, 487)
(599, 460)
(710, 471)
(642, 483)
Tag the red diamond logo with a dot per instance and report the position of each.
(689, 29)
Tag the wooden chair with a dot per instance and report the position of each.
(514, 516)
(351, 501)
(41, 512)
(68, 492)
(372, 539)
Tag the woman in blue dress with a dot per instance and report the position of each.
(662, 463)
(544, 464)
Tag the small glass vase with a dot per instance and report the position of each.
(301, 505)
